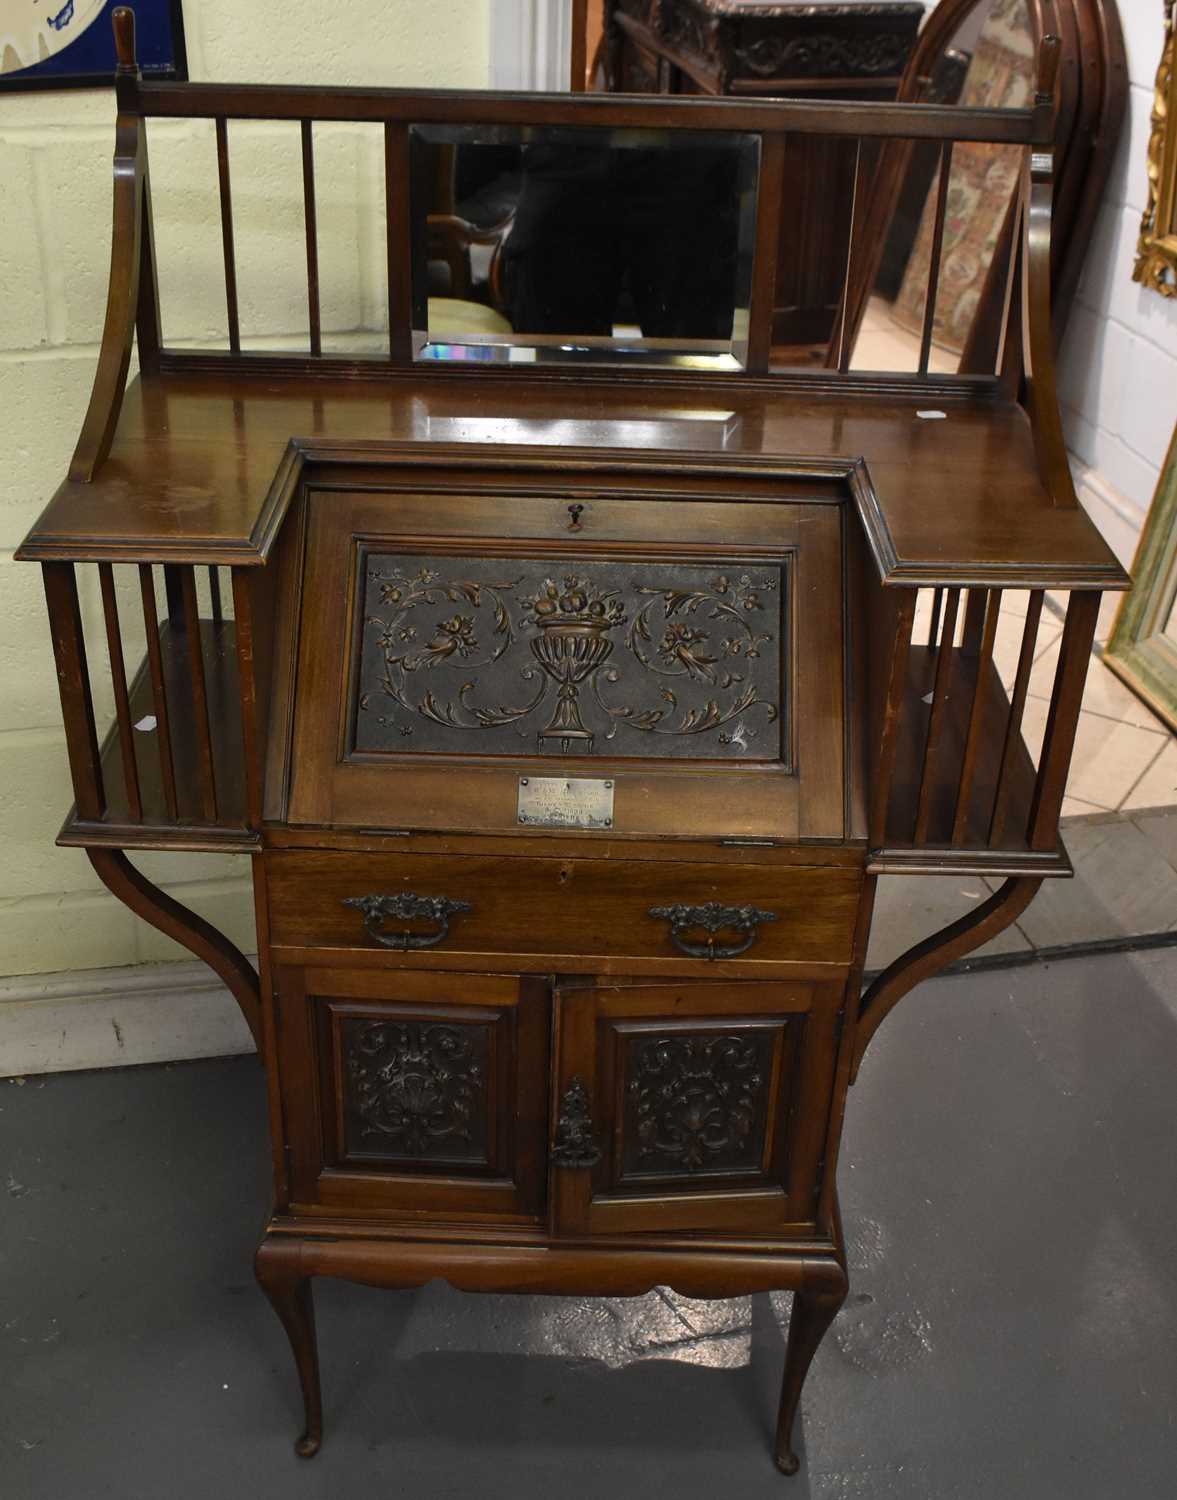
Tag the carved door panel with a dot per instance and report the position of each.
(410, 1092)
(692, 1106)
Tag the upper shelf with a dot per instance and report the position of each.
(958, 479)
(202, 469)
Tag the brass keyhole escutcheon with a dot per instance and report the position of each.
(574, 514)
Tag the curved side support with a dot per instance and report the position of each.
(122, 296)
(146, 900)
(930, 956)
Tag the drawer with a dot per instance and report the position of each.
(573, 915)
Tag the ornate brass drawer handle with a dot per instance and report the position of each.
(407, 908)
(573, 1144)
(713, 918)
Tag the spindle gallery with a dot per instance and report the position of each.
(570, 680)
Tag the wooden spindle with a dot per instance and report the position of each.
(892, 718)
(945, 655)
(73, 680)
(1017, 706)
(122, 698)
(972, 745)
(1063, 720)
(214, 592)
(173, 587)
(974, 622)
(766, 253)
(857, 198)
(126, 73)
(159, 696)
(937, 254)
(312, 234)
(579, 60)
(252, 704)
(934, 623)
(398, 230)
(227, 250)
(201, 724)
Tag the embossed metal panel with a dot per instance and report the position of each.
(415, 1091)
(510, 656)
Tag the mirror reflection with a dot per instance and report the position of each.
(557, 245)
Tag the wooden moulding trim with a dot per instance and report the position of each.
(934, 953)
(554, 1267)
(122, 298)
(253, 551)
(263, 364)
(584, 845)
(519, 961)
(458, 107)
(249, 552)
(196, 838)
(308, 1224)
(930, 860)
(895, 572)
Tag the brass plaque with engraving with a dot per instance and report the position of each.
(565, 802)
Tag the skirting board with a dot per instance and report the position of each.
(114, 1018)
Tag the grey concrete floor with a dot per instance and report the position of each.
(1010, 1201)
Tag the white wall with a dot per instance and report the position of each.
(1119, 358)
(530, 44)
(55, 194)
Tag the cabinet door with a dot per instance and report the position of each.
(692, 1106)
(414, 1093)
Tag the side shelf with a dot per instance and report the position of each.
(171, 770)
(190, 822)
(961, 782)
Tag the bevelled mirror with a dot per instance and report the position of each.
(561, 245)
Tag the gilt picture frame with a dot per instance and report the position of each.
(1156, 256)
(62, 44)
(1142, 649)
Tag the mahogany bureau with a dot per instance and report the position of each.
(570, 694)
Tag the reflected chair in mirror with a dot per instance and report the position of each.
(472, 205)
(967, 230)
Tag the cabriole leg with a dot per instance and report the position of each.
(812, 1314)
(279, 1274)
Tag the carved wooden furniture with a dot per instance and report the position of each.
(569, 714)
(836, 49)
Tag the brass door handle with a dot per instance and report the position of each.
(713, 918)
(573, 1144)
(406, 907)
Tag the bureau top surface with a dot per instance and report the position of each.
(203, 469)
